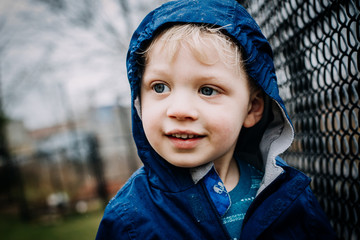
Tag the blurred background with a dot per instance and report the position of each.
(65, 139)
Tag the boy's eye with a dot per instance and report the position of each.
(208, 91)
(160, 88)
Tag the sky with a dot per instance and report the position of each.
(56, 64)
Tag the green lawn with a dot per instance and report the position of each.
(80, 227)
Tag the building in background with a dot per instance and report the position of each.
(83, 161)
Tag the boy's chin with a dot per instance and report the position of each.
(186, 164)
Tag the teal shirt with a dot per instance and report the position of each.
(241, 198)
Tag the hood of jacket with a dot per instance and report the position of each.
(276, 132)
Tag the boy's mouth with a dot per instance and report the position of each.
(184, 140)
(184, 136)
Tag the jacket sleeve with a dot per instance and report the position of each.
(319, 224)
(113, 227)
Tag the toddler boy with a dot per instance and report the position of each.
(209, 125)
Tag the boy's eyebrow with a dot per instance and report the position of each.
(159, 70)
(162, 74)
(156, 70)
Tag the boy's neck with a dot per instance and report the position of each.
(229, 173)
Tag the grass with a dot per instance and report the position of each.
(79, 227)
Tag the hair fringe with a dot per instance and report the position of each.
(197, 38)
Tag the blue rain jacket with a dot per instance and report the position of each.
(161, 201)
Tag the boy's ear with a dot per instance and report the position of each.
(256, 109)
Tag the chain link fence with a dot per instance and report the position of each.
(316, 53)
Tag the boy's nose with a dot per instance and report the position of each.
(182, 108)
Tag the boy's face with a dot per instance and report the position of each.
(193, 112)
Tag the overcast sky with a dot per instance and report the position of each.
(53, 62)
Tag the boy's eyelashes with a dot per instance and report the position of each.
(206, 90)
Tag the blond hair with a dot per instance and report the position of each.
(200, 39)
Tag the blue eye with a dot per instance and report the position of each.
(208, 91)
(160, 88)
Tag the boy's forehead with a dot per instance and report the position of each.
(205, 50)
(212, 69)
(207, 45)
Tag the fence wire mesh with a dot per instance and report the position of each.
(316, 53)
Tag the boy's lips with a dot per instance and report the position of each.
(184, 139)
(183, 134)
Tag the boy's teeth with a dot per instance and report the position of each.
(183, 136)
